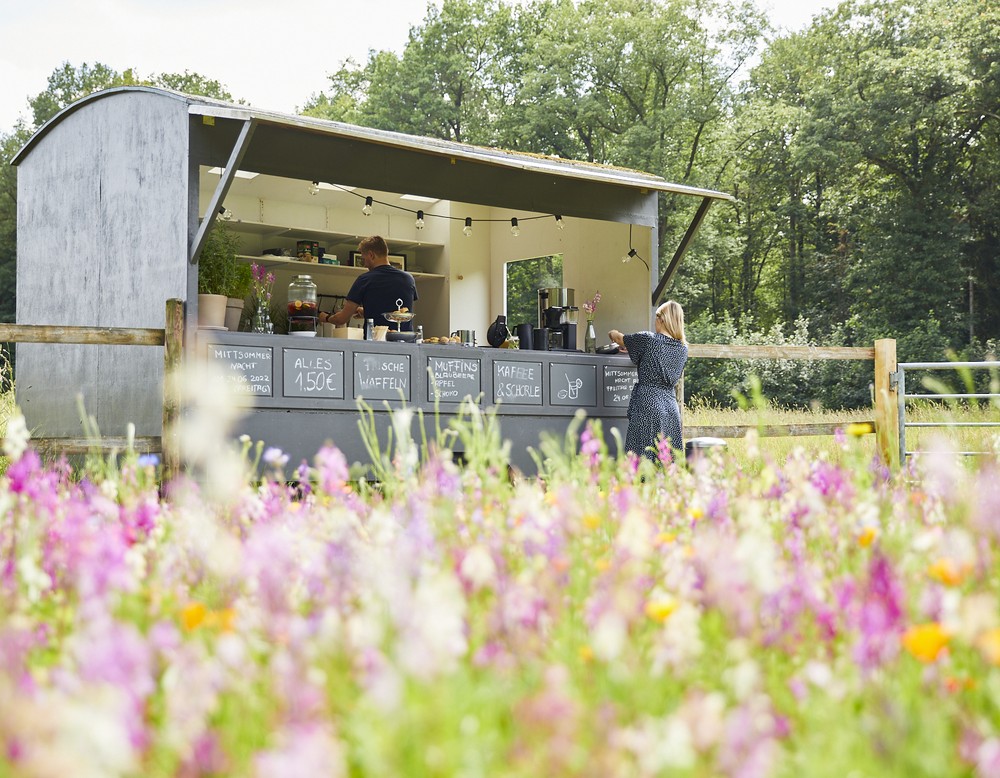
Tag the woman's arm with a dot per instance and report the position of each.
(617, 337)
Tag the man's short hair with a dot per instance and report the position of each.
(375, 244)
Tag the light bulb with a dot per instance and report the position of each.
(559, 222)
(467, 229)
(514, 229)
(367, 209)
(225, 214)
(628, 257)
(420, 220)
(314, 188)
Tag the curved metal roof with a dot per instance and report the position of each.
(206, 106)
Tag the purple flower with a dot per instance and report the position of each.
(332, 467)
(879, 616)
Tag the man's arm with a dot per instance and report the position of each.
(345, 314)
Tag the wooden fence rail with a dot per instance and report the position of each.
(171, 338)
(885, 423)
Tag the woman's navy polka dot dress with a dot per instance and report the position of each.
(652, 409)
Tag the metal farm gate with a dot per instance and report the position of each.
(897, 381)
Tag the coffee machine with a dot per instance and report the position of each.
(557, 324)
(557, 318)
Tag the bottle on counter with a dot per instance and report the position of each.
(420, 333)
(369, 329)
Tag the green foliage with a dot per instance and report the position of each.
(524, 278)
(217, 263)
(241, 281)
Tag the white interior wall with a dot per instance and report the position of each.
(472, 291)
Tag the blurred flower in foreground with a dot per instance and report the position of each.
(16, 438)
(926, 641)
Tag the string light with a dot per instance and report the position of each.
(225, 214)
(314, 188)
(421, 216)
(626, 258)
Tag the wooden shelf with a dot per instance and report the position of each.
(314, 268)
(328, 236)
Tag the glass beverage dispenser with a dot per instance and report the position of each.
(302, 306)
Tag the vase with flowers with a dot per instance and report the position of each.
(261, 288)
(590, 337)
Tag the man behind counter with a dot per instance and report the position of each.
(376, 292)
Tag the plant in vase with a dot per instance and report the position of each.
(590, 337)
(216, 268)
(262, 287)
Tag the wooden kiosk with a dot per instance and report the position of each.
(113, 195)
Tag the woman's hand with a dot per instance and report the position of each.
(617, 337)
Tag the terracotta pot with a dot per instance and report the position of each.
(234, 312)
(212, 310)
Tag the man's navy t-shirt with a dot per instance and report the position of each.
(378, 290)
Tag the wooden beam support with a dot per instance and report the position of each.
(886, 411)
(225, 181)
(173, 353)
(692, 229)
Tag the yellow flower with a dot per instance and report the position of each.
(948, 571)
(193, 616)
(867, 536)
(926, 641)
(591, 521)
(665, 537)
(696, 512)
(859, 428)
(602, 564)
(660, 610)
(586, 653)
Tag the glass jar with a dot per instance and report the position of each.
(302, 305)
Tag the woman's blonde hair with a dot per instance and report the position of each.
(671, 317)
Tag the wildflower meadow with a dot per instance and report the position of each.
(609, 617)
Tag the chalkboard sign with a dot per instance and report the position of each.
(618, 383)
(518, 383)
(452, 379)
(574, 385)
(310, 373)
(249, 367)
(382, 376)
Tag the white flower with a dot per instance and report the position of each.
(16, 438)
(478, 568)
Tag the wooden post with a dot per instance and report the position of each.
(173, 350)
(886, 414)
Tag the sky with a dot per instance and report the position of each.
(273, 54)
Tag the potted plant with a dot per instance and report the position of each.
(216, 268)
(239, 288)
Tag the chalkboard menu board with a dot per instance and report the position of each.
(518, 383)
(382, 376)
(618, 383)
(249, 367)
(574, 385)
(452, 379)
(309, 373)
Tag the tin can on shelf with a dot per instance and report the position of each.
(302, 305)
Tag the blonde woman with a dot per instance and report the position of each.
(659, 358)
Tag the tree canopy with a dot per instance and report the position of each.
(864, 150)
